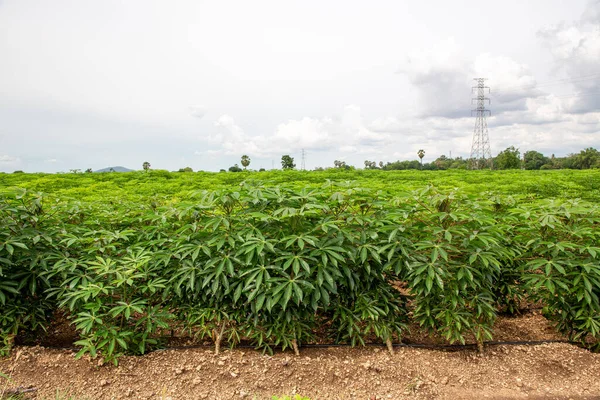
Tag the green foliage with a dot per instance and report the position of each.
(421, 154)
(560, 264)
(508, 159)
(451, 263)
(279, 267)
(26, 248)
(534, 160)
(116, 303)
(287, 162)
(245, 161)
(139, 187)
(587, 158)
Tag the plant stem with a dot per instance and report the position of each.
(480, 348)
(390, 347)
(219, 337)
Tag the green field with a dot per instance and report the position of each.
(584, 184)
(283, 258)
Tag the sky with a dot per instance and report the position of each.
(191, 83)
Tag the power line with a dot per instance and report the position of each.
(566, 96)
(550, 82)
(562, 96)
(511, 89)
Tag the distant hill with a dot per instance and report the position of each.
(114, 169)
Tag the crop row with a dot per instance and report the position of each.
(281, 267)
(158, 184)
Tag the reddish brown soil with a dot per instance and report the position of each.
(553, 371)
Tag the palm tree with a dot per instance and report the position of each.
(245, 161)
(146, 165)
(421, 154)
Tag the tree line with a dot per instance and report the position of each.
(510, 158)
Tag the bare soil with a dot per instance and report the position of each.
(547, 371)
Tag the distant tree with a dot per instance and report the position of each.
(222, 170)
(370, 164)
(245, 161)
(18, 172)
(401, 165)
(459, 163)
(588, 158)
(261, 170)
(339, 164)
(287, 162)
(111, 170)
(534, 160)
(508, 159)
(75, 171)
(235, 168)
(442, 162)
(186, 169)
(88, 171)
(146, 165)
(380, 164)
(342, 165)
(421, 154)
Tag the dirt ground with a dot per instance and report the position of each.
(547, 371)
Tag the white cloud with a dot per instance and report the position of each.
(386, 124)
(576, 51)
(197, 111)
(6, 159)
(340, 133)
(443, 77)
(8, 163)
(592, 13)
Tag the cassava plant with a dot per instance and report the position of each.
(560, 264)
(113, 291)
(25, 247)
(449, 252)
(279, 267)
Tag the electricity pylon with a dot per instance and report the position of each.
(481, 155)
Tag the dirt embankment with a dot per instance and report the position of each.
(559, 371)
(553, 371)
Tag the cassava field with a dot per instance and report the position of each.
(113, 266)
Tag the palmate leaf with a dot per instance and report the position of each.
(273, 261)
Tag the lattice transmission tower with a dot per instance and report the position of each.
(481, 155)
(303, 164)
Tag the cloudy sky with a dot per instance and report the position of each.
(91, 84)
